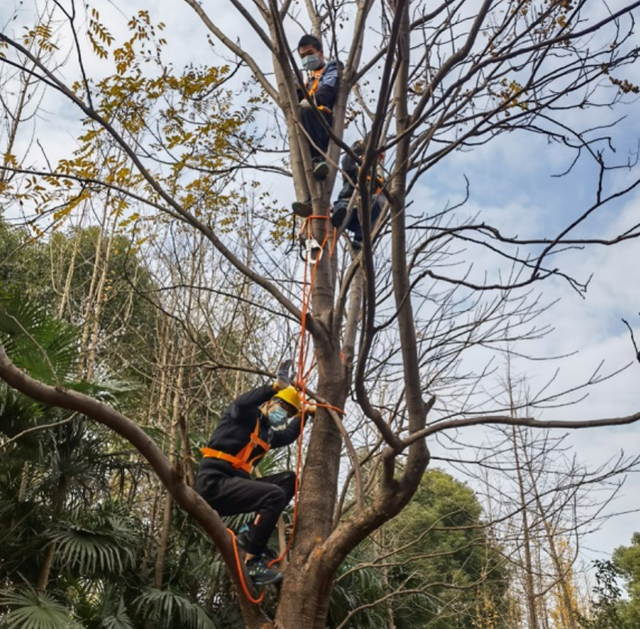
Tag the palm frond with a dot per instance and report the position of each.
(104, 542)
(47, 348)
(35, 610)
(162, 607)
(118, 618)
(37, 342)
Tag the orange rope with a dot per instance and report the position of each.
(333, 408)
(303, 357)
(240, 567)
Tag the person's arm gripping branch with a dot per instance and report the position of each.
(284, 375)
(258, 396)
(251, 399)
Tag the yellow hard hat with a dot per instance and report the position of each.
(290, 396)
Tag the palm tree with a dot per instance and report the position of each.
(72, 543)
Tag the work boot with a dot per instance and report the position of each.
(262, 575)
(338, 215)
(302, 208)
(320, 168)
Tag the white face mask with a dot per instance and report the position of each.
(311, 63)
(277, 416)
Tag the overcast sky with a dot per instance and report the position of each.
(513, 187)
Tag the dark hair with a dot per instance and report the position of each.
(310, 40)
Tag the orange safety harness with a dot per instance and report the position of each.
(242, 460)
(312, 86)
(379, 183)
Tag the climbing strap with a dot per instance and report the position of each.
(314, 79)
(242, 460)
(241, 572)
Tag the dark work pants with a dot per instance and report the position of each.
(353, 224)
(316, 131)
(267, 496)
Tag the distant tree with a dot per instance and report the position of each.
(626, 560)
(607, 605)
(440, 549)
(543, 501)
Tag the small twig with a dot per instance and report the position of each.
(633, 340)
(43, 427)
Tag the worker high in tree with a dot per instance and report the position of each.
(344, 213)
(249, 427)
(321, 89)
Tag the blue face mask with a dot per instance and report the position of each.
(311, 63)
(277, 416)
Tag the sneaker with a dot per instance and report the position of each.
(302, 208)
(320, 169)
(262, 575)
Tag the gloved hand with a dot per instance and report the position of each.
(310, 409)
(284, 375)
(305, 104)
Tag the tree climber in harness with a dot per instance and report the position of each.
(249, 427)
(341, 214)
(322, 87)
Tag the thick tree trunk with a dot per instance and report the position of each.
(308, 582)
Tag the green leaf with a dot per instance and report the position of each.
(102, 542)
(119, 619)
(163, 606)
(35, 610)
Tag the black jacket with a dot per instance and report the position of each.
(238, 421)
(350, 168)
